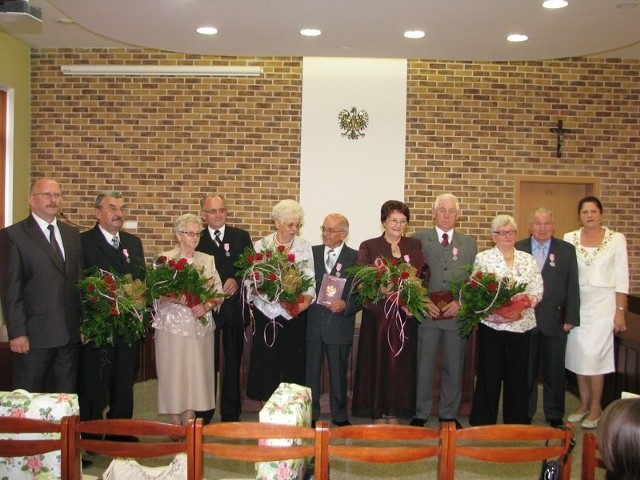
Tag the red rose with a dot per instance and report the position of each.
(394, 261)
(161, 259)
(113, 311)
(474, 284)
(493, 286)
(395, 280)
(256, 275)
(259, 256)
(108, 279)
(268, 254)
(404, 275)
(251, 258)
(281, 248)
(378, 276)
(291, 257)
(478, 275)
(172, 263)
(180, 264)
(273, 277)
(112, 288)
(91, 287)
(383, 269)
(93, 299)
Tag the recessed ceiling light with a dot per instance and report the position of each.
(310, 32)
(65, 21)
(517, 37)
(555, 4)
(207, 30)
(414, 34)
(627, 5)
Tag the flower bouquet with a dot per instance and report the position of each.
(395, 280)
(113, 305)
(275, 276)
(174, 278)
(483, 294)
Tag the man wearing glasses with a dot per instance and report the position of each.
(40, 267)
(107, 373)
(331, 322)
(226, 243)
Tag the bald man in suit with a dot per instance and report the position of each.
(40, 267)
(556, 314)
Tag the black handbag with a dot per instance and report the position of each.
(552, 469)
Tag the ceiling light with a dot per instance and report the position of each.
(207, 30)
(555, 4)
(310, 32)
(414, 34)
(517, 37)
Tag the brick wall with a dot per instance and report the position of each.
(471, 127)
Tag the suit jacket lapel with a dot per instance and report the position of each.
(43, 240)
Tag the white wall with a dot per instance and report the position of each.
(352, 177)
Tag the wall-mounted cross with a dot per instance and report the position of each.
(560, 132)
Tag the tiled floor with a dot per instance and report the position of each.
(146, 406)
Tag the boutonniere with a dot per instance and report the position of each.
(125, 252)
(226, 250)
(338, 268)
(454, 250)
(407, 259)
(552, 259)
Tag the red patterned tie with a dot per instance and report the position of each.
(445, 240)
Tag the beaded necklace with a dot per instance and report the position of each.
(589, 257)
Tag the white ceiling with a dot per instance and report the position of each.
(455, 29)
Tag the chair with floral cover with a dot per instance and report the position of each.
(27, 447)
(380, 443)
(247, 441)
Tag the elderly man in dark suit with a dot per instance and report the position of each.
(107, 373)
(556, 314)
(448, 253)
(226, 243)
(330, 326)
(39, 270)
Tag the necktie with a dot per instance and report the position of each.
(445, 240)
(540, 256)
(216, 238)
(331, 260)
(115, 240)
(54, 243)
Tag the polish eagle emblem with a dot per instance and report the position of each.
(353, 123)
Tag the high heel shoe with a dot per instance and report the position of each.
(577, 417)
(586, 423)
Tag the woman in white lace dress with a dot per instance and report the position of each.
(184, 346)
(603, 273)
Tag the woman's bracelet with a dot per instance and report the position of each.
(622, 309)
(208, 304)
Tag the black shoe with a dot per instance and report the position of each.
(313, 423)
(458, 425)
(418, 422)
(555, 423)
(343, 423)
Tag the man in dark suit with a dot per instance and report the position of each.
(556, 314)
(226, 243)
(448, 254)
(39, 271)
(330, 327)
(107, 373)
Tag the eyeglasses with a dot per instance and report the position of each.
(293, 225)
(395, 221)
(49, 195)
(191, 234)
(330, 231)
(213, 211)
(506, 233)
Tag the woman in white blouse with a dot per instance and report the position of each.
(278, 344)
(503, 343)
(603, 274)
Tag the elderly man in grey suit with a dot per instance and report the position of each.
(556, 314)
(330, 327)
(39, 270)
(449, 253)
